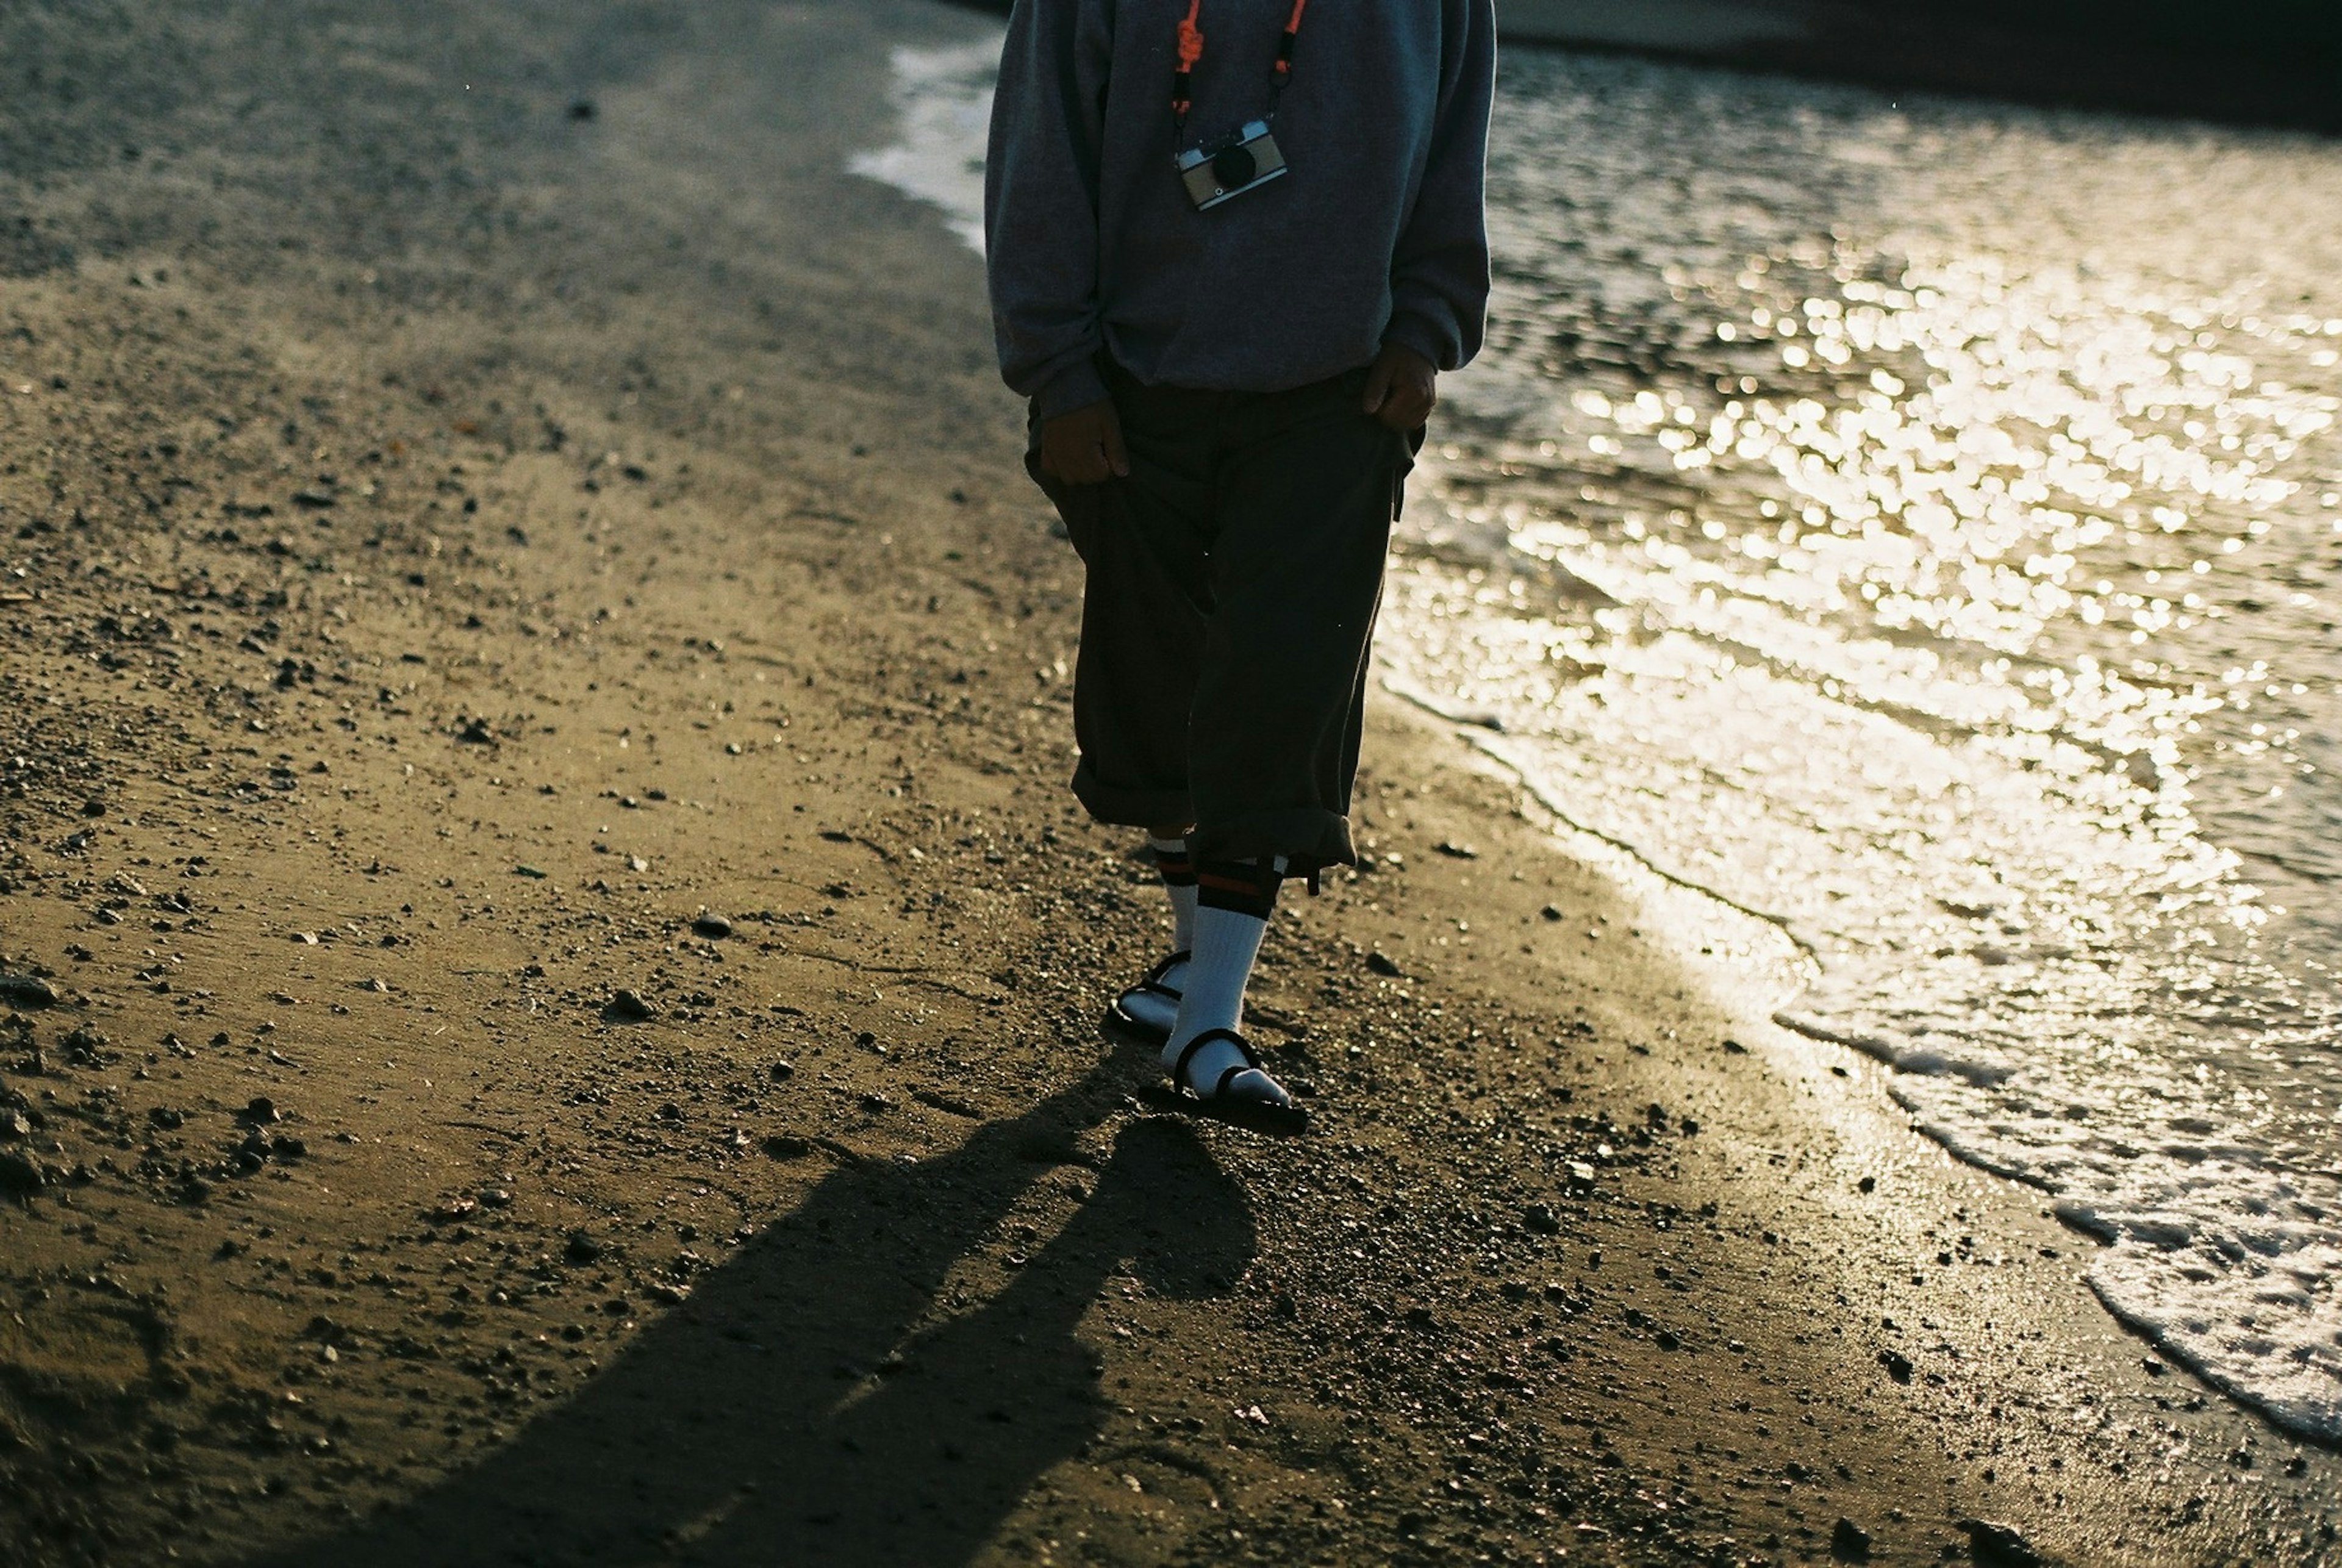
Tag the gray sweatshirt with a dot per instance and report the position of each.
(1375, 235)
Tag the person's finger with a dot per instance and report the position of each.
(1117, 458)
(1379, 384)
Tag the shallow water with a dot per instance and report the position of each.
(1918, 523)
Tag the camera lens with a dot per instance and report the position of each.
(1234, 166)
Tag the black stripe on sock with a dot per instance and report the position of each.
(1241, 886)
(1178, 870)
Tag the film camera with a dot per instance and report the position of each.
(1226, 169)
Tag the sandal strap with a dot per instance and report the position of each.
(1209, 1037)
(1151, 982)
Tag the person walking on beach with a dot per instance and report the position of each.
(1231, 244)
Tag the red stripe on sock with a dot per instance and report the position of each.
(1229, 883)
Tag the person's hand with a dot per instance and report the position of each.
(1402, 388)
(1084, 447)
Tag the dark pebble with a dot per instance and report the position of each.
(714, 927)
(1541, 1219)
(1383, 964)
(782, 1147)
(627, 1007)
(1850, 1541)
(1455, 851)
(1551, 912)
(582, 1248)
(1996, 1546)
(27, 991)
(20, 1175)
(782, 1070)
(1897, 1364)
(262, 1109)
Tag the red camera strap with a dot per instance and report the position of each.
(1191, 50)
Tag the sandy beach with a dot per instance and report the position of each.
(551, 971)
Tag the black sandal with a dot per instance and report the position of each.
(1124, 1024)
(1285, 1120)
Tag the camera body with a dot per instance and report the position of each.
(1226, 169)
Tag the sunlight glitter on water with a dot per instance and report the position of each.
(1949, 582)
(1921, 524)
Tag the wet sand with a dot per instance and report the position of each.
(481, 495)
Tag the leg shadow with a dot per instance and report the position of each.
(788, 1413)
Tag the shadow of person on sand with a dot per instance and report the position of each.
(788, 1413)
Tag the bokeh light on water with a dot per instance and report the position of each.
(1919, 524)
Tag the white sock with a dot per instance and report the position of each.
(1226, 944)
(1148, 1007)
(1182, 896)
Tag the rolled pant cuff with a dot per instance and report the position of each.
(1124, 807)
(1309, 836)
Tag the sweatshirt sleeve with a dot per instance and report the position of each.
(1041, 201)
(1439, 272)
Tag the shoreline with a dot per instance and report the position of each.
(471, 563)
